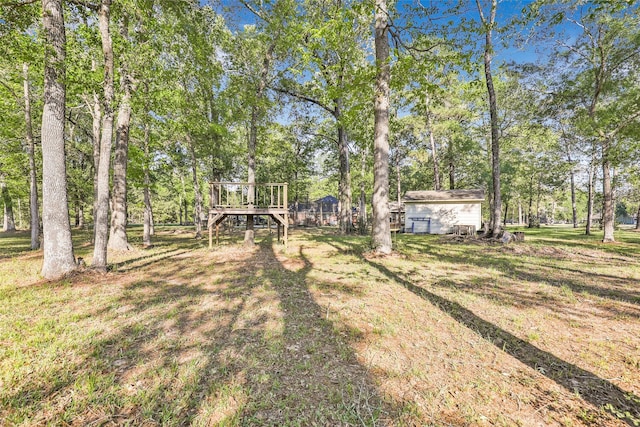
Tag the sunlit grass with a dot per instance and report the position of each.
(327, 333)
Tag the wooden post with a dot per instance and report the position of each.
(278, 231)
(286, 227)
(217, 234)
(210, 232)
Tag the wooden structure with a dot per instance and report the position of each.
(461, 230)
(242, 198)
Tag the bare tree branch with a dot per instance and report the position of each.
(304, 98)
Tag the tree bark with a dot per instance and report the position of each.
(249, 234)
(256, 116)
(530, 223)
(57, 243)
(452, 166)
(381, 233)
(434, 151)
(519, 212)
(33, 177)
(96, 119)
(118, 232)
(196, 188)
(146, 232)
(102, 206)
(363, 196)
(608, 212)
(590, 195)
(493, 112)
(506, 212)
(638, 219)
(574, 209)
(344, 190)
(9, 221)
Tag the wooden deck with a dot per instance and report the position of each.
(242, 198)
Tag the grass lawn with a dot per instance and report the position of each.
(442, 333)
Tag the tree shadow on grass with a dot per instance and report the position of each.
(598, 391)
(237, 341)
(620, 289)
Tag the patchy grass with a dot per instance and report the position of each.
(545, 332)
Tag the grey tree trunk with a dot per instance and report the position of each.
(434, 151)
(249, 234)
(398, 184)
(590, 195)
(102, 205)
(33, 177)
(493, 112)
(344, 190)
(256, 116)
(608, 213)
(452, 166)
(638, 219)
(57, 243)
(363, 197)
(118, 232)
(574, 209)
(9, 221)
(95, 109)
(519, 212)
(146, 233)
(197, 221)
(381, 233)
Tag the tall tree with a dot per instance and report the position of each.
(57, 245)
(101, 220)
(118, 231)
(33, 178)
(9, 221)
(381, 234)
(488, 24)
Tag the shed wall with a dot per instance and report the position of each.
(443, 216)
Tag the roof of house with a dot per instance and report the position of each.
(443, 196)
(326, 199)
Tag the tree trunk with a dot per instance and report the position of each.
(102, 206)
(96, 120)
(493, 112)
(530, 223)
(196, 188)
(638, 219)
(519, 212)
(249, 234)
(81, 215)
(256, 116)
(574, 209)
(9, 221)
(57, 247)
(452, 166)
(146, 233)
(363, 197)
(434, 151)
(398, 184)
(608, 211)
(506, 212)
(590, 194)
(344, 190)
(33, 177)
(381, 233)
(118, 232)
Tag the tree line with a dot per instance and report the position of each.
(116, 111)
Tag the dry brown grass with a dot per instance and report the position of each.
(544, 332)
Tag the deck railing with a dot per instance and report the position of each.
(242, 195)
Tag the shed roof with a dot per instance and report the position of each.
(443, 196)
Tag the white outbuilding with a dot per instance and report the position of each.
(442, 212)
